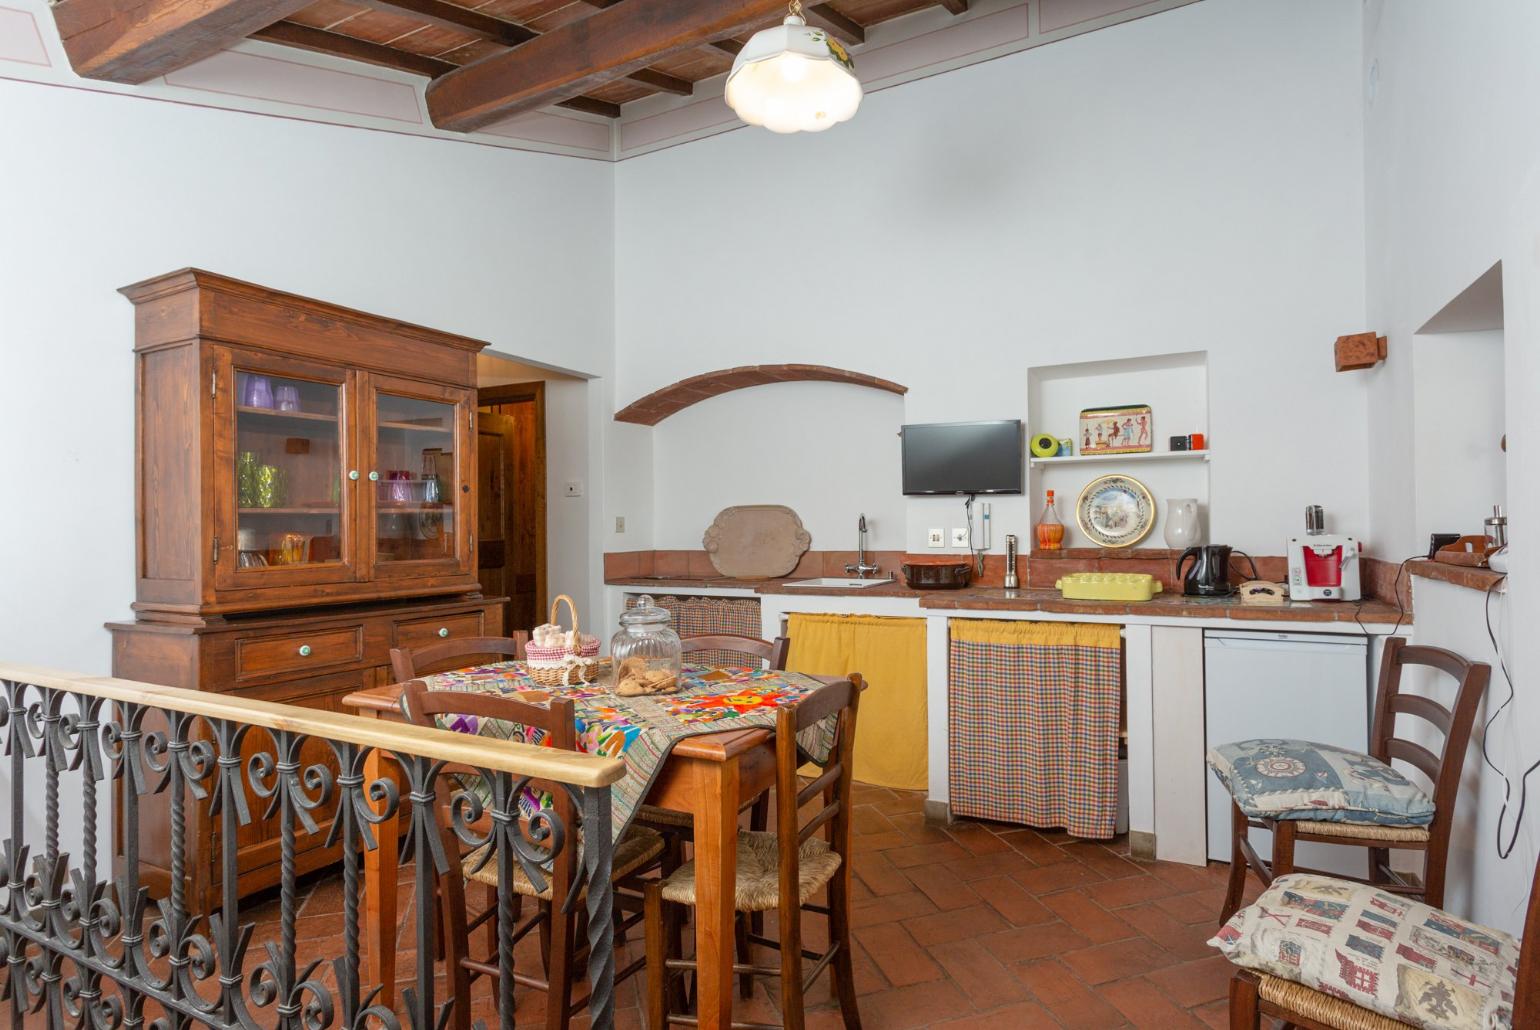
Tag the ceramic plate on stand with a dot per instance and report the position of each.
(1115, 511)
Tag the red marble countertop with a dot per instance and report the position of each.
(1368, 612)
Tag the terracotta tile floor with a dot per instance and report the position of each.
(970, 927)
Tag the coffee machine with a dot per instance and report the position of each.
(1322, 566)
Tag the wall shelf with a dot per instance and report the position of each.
(1077, 459)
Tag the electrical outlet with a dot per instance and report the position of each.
(959, 536)
(620, 523)
(936, 538)
(572, 488)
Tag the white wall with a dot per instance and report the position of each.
(99, 190)
(836, 458)
(1452, 150)
(1457, 398)
(1190, 181)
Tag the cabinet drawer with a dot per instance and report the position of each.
(422, 632)
(291, 652)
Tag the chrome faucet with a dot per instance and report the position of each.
(862, 568)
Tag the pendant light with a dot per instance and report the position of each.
(793, 78)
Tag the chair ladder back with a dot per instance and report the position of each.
(771, 652)
(1415, 755)
(1442, 768)
(1526, 1001)
(558, 722)
(408, 663)
(838, 700)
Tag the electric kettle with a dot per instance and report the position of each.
(1209, 575)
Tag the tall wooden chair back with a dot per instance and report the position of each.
(797, 820)
(720, 648)
(1526, 1002)
(1445, 767)
(407, 663)
(423, 707)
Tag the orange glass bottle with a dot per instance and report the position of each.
(1050, 531)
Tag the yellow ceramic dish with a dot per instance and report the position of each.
(1108, 586)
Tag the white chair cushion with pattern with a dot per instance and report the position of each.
(1391, 955)
(1297, 779)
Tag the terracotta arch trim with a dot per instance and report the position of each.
(660, 404)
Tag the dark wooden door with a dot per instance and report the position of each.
(510, 449)
(496, 474)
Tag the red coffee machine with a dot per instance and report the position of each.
(1322, 566)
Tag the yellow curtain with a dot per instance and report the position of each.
(889, 654)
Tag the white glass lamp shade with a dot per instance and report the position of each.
(793, 79)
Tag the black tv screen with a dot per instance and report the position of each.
(964, 458)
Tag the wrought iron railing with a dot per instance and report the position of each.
(88, 950)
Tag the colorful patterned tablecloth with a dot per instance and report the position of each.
(641, 730)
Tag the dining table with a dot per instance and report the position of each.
(708, 775)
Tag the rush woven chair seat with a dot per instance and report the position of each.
(1302, 791)
(1320, 952)
(640, 852)
(778, 872)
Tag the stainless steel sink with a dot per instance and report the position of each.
(826, 582)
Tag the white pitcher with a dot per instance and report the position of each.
(1182, 530)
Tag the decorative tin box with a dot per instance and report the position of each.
(1129, 429)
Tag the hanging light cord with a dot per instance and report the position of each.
(795, 8)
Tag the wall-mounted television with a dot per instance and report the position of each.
(964, 458)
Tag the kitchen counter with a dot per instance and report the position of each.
(984, 598)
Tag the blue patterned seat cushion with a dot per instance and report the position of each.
(1295, 779)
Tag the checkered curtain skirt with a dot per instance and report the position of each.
(1034, 733)
(703, 616)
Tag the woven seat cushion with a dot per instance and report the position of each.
(1399, 958)
(1295, 779)
(759, 884)
(652, 815)
(638, 847)
(1370, 831)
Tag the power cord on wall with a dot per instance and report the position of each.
(1395, 589)
(977, 556)
(1504, 850)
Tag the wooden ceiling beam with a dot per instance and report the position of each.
(591, 105)
(573, 58)
(321, 41)
(835, 24)
(663, 82)
(453, 16)
(954, 6)
(133, 41)
(731, 47)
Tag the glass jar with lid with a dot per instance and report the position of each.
(646, 651)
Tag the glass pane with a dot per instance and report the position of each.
(288, 469)
(415, 496)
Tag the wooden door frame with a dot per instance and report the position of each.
(521, 393)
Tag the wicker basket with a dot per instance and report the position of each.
(563, 666)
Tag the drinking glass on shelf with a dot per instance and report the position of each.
(258, 392)
(287, 397)
(272, 487)
(291, 548)
(246, 465)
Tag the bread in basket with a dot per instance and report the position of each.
(557, 657)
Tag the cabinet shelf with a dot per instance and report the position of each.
(289, 511)
(418, 427)
(295, 416)
(1077, 459)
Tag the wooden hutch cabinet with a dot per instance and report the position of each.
(306, 498)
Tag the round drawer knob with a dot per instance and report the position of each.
(304, 650)
(352, 473)
(443, 631)
(374, 477)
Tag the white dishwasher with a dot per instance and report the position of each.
(1295, 686)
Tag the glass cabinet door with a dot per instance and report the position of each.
(419, 443)
(285, 483)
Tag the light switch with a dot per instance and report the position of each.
(936, 537)
(959, 536)
(572, 488)
(620, 523)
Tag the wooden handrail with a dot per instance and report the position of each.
(576, 768)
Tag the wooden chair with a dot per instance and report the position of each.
(408, 663)
(780, 872)
(1254, 995)
(1443, 769)
(771, 652)
(639, 852)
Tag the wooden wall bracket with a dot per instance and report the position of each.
(1360, 350)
